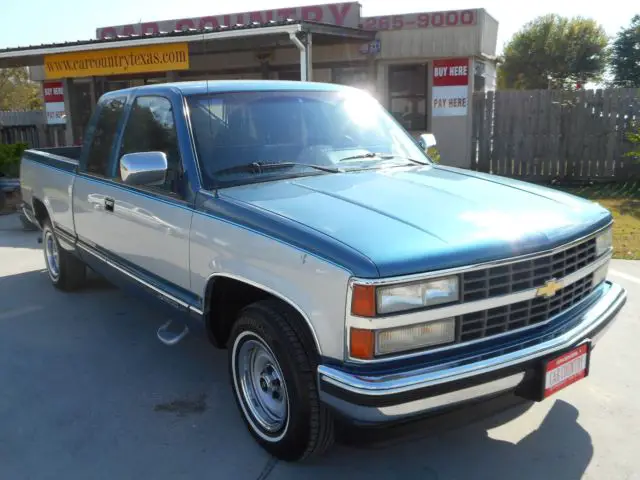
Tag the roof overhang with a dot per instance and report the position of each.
(322, 33)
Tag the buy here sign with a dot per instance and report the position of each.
(450, 95)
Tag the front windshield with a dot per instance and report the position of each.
(329, 130)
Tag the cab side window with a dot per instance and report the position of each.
(151, 127)
(104, 136)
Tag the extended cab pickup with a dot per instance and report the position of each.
(299, 226)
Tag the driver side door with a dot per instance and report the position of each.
(148, 226)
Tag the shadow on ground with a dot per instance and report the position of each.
(455, 449)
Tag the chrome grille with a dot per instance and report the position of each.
(527, 274)
(486, 323)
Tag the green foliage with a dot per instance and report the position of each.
(554, 52)
(625, 56)
(433, 154)
(17, 92)
(633, 136)
(10, 158)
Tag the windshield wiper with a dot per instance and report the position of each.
(383, 156)
(260, 167)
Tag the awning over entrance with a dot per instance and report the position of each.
(299, 34)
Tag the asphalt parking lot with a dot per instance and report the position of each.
(87, 392)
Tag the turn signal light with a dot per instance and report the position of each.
(363, 301)
(361, 343)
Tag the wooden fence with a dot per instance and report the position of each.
(30, 128)
(541, 135)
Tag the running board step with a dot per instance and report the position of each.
(171, 338)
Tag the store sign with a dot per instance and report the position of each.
(53, 93)
(342, 14)
(452, 18)
(450, 92)
(118, 61)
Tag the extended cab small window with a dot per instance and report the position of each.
(151, 127)
(104, 136)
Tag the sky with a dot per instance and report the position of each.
(68, 20)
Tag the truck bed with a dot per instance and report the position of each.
(48, 175)
(65, 158)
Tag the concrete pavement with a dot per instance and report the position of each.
(88, 392)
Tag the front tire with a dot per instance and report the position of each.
(66, 272)
(272, 369)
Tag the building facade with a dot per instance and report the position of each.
(423, 67)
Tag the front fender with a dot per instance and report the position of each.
(314, 287)
(275, 293)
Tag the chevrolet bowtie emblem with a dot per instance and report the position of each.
(549, 289)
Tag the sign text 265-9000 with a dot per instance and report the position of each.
(454, 18)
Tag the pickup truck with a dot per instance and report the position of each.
(350, 278)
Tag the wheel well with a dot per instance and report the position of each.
(40, 211)
(227, 296)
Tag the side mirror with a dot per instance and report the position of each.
(144, 168)
(426, 141)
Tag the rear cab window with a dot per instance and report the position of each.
(104, 136)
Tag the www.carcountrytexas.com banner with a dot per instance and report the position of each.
(117, 61)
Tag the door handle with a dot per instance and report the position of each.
(109, 203)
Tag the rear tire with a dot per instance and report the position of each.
(273, 375)
(66, 272)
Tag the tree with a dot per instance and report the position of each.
(625, 56)
(554, 52)
(17, 92)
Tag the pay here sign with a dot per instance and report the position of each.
(53, 93)
(450, 93)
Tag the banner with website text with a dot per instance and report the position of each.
(118, 61)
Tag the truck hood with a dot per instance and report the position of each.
(413, 219)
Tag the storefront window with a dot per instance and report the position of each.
(479, 77)
(81, 105)
(292, 75)
(408, 95)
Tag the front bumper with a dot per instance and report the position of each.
(396, 396)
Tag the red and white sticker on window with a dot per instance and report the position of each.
(53, 94)
(450, 92)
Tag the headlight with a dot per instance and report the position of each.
(604, 242)
(410, 296)
(412, 337)
(366, 344)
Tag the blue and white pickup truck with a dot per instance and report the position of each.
(349, 277)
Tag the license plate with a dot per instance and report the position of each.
(566, 369)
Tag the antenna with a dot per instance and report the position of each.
(204, 53)
(208, 98)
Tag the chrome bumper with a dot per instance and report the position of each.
(374, 399)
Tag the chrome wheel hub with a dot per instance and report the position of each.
(52, 255)
(262, 385)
